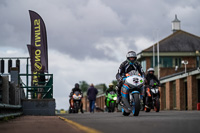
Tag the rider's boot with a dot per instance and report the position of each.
(143, 103)
(119, 96)
(119, 99)
(82, 111)
(146, 102)
(126, 106)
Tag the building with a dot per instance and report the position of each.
(177, 47)
(180, 91)
(178, 68)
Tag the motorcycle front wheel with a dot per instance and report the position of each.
(136, 104)
(148, 104)
(157, 105)
(112, 106)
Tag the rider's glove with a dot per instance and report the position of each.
(145, 80)
(121, 79)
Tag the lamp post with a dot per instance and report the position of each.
(158, 56)
(197, 54)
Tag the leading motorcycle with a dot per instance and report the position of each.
(133, 83)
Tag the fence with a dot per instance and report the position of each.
(44, 89)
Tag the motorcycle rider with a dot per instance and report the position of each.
(76, 88)
(150, 75)
(128, 65)
(111, 88)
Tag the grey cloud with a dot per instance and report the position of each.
(76, 27)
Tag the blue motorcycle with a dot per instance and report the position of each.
(131, 93)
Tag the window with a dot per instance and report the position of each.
(164, 61)
(177, 62)
(198, 61)
(143, 64)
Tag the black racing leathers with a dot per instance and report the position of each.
(124, 68)
(150, 77)
(109, 90)
(75, 89)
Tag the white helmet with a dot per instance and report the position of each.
(111, 85)
(150, 69)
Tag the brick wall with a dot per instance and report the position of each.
(162, 97)
(85, 104)
(168, 71)
(180, 95)
(192, 92)
(169, 96)
(148, 62)
(191, 62)
(100, 102)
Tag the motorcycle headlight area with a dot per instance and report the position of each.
(154, 90)
(115, 98)
(137, 82)
(76, 97)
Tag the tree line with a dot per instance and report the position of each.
(101, 87)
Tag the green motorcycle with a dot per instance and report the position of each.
(111, 99)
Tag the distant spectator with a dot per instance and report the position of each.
(92, 93)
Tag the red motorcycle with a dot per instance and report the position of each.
(75, 102)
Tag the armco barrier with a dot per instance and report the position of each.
(7, 110)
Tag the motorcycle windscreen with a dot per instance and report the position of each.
(77, 93)
(152, 82)
(112, 93)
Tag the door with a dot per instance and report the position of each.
(198, 82)
(186, 99)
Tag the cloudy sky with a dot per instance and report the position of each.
(88, 39)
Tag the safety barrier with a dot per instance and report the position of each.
(7, 110)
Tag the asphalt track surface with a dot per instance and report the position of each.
(38, 124)
(162, 122)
